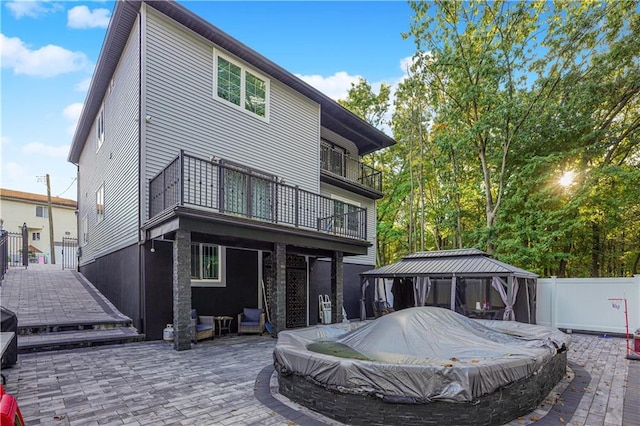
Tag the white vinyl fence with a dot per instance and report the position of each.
(584, 303)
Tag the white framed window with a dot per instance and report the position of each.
(207, 265)
(42, 211)
(100, 129)
(35, 236)
(244, 88)
(85, 230)
(100, 204)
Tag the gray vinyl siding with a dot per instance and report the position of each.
(185, 115)
(370, 205)
(115, 164)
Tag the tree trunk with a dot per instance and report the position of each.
(562, 269)
(595, 250)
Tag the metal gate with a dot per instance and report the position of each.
(296, 291)
(296, 288)
(69, 253)
(14, 249)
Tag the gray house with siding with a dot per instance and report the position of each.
(205, 169)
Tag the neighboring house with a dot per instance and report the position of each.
(204, 169)
(18, 208)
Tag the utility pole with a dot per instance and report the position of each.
(52, 246)
(51, 239)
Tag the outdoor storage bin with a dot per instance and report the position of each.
(9, 322)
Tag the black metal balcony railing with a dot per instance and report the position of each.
(340, 164)
(236, 190)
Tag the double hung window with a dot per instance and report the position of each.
(42, 211)
(85, 230)
(100, 129)
(100, 204)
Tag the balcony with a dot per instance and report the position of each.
(237, 191)
(341, 170)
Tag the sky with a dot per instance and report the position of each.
(49, 50)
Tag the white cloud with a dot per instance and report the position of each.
(83, 86)
(46, 150)
(5, 140)
(82, 17)
(335, 86)
(47, 61)
(72, 113)
(31, 8)
(14, 172)
(405, 63)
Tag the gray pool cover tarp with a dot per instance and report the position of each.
(421, 354)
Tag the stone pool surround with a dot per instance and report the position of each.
(499, 407)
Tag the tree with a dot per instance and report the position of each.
(520, 92)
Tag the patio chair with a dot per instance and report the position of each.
(381, 307)
(251, 320)
(202, 326)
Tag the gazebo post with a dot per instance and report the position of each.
(453, 292)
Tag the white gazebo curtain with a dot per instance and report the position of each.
(507, 294)
(421, 289)
(363, 306)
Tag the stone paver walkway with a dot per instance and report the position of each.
(226, 381)
(49, 295)
(217, 383)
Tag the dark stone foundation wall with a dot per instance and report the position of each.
(320, 279)
(117, 277)
(505, 404)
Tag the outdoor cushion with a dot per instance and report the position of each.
(194, 314)
(251, 315)
(203, 327)
(250, 323)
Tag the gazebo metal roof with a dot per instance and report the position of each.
(468, 263)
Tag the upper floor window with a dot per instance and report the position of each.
(42, 211)
(241, 87)
(100, 129)
(35, 236)
(85, 230)
(100, 203)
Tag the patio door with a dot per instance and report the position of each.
(248, 192)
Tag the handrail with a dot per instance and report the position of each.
(236, 190)
(336, 162)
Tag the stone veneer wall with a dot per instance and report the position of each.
(503, 405)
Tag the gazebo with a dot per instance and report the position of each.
(468, 281)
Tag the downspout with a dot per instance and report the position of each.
(79, 236)
(141, 239)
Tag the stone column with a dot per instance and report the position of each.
(337, 286)
(279, 311)
(182, 333)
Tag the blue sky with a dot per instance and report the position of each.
(49, 50)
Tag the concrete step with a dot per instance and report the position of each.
(53, 341)
(80, 325)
